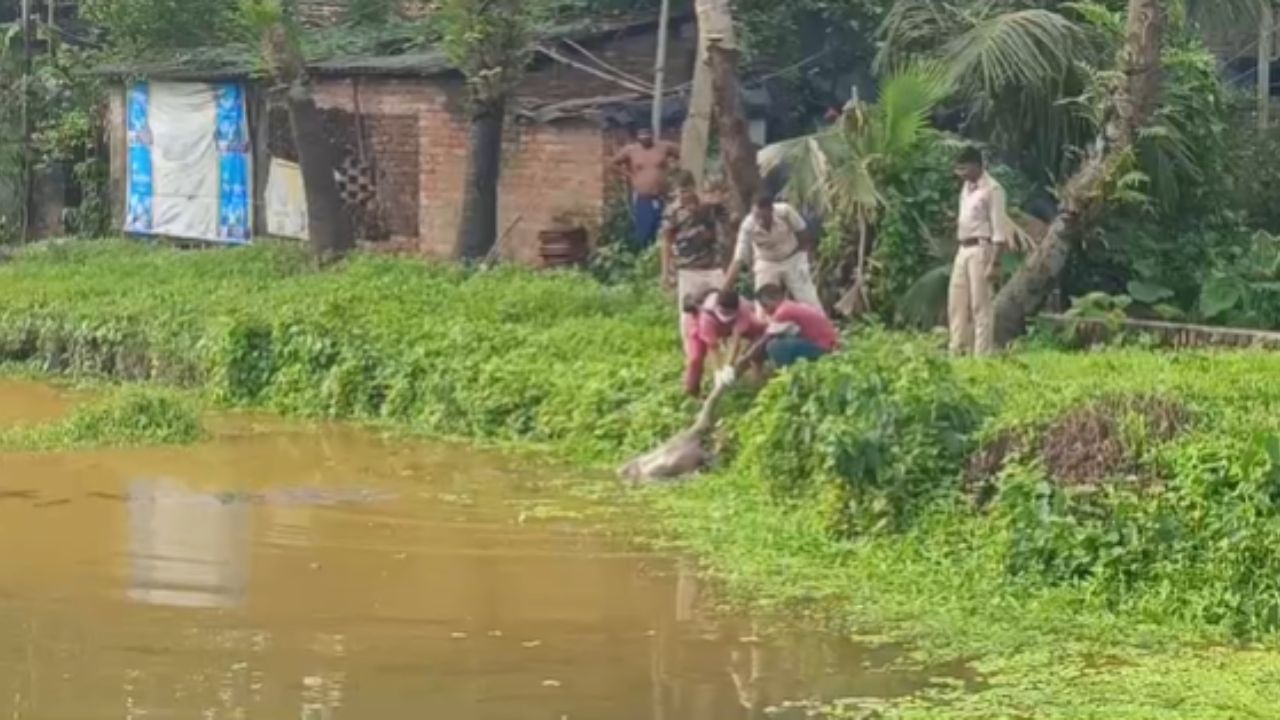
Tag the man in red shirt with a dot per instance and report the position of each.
(796, 331)
(724, 323)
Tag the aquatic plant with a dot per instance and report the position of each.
(133, 416)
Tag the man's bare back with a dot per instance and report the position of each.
(647, 167)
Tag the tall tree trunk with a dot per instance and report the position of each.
(328, 223)
(714, 21)
(737, 152)
(1133, 104)
(478, 228)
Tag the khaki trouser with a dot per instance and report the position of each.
(695, 283)
(792, 274)
(969, 306)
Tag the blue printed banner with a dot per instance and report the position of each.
(190, 168)
(140, 193)
(234, 203)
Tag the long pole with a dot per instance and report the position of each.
(1266, 47)
(660, 66)
(28, 65)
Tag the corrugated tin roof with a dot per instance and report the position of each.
(417, 64)
(240, 62)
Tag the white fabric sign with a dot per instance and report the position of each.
(286, 200)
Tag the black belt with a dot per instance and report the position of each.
(974, 242)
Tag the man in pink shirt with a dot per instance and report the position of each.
(719, 322)
(796, 331)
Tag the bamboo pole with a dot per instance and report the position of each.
(1266, 48)
(660, 66)
(28, 66)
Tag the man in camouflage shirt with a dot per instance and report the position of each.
(691, 244)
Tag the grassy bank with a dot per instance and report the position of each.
(1090, 530)
(122, 418)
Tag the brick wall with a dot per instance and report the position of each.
(384, 145)
(548, 170)
(416, 131)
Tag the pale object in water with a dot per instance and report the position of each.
(682, 455)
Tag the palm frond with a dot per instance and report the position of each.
(854, 191)
(1027, 48)
(906, 100)
(809, 161)
(912, 27)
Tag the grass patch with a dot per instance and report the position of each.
(129, 417)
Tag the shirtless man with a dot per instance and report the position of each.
(645, 163)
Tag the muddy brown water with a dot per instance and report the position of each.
(24, 402)
(328, 573)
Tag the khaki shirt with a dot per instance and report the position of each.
(983, 212)
(775, 245)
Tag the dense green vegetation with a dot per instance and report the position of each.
(1073, 523)
(132, 416)
(502, 354)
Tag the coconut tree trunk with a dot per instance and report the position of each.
(328, 223)
(1133, 104)
(478, 229)
(737, 152)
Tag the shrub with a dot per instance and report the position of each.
(868, 437)
(130, 417)
(505, 354)
(1149, 481)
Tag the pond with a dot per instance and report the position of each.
(285, 571)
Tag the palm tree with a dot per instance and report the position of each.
(837, 171)
(1010, 70)
(1080, 85)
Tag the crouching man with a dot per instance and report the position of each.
(723, 325)
(796, 331)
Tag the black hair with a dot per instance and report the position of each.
(693, 302)
(729, 300)
(969, 155)
(771, 293)
(764, 198)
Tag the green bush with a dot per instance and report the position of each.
(129, 417)
(1149, 481)
(867, 437)
(503, 354)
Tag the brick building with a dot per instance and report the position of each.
(402, 122)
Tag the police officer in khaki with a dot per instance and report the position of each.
(982, 233)
(773, 241)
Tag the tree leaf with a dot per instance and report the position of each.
(1220, 294)
(1148, 293)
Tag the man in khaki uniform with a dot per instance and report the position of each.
(982, 233)
(770, 239)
